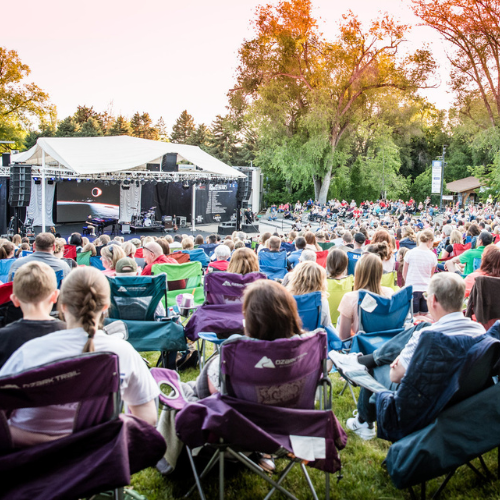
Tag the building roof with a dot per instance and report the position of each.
(467, 184)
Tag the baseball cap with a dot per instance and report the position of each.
(126, 265)
(359, 238)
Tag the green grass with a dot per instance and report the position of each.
(362, 471)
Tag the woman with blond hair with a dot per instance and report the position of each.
(110, 255)
(409, 239)
(308, 277)
(455, 237)
(368, 276)
(419, 266)
(243, 261)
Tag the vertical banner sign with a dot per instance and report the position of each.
(436, 177)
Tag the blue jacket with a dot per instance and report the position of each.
(430, 382)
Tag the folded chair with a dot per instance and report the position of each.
(459, 424)
(266, 405)
(336, 290)
(273, 264)
(381, 318)
(83, 258)
(134, 300)
(192, 272)
(103, 451)
(5, 265)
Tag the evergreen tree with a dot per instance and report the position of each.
(200, 137)
(162, 130)
(67, 127)
(91, 128)
(120, 127)
(142, 126)
(223, 141)
(183, 128)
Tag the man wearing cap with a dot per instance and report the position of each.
(359, 241)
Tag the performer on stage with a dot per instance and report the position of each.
(90, 225)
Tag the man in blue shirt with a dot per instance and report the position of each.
(293, 258)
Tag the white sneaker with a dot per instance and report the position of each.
(346, 362)
(364, 431)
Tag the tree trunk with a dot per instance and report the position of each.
(325, 185)
(317, 187)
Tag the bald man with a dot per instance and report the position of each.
(153, 254)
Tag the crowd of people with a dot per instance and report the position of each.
(440, 260)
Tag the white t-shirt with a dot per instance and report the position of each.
(421, 265)
(137, 384)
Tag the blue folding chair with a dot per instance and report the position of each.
(59, 278)
(353, 258)
(25, 253)
(209, 248)
(273, 264)
(381, 318)
(5, 265)
(288, 247)
(476, 264)
(309, 308)
(97, 263)
(198, 255)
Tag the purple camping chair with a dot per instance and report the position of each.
(105, 447)
(221, 315)
(266, 405)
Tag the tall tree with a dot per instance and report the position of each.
(223, 142)
(472, 27)
(120, 127)
(200, 137)
(67, 127)
(142, 126)
(162, 130)
(183, 128)
(91, 128)
(305, 91)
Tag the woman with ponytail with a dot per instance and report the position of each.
(85, 296)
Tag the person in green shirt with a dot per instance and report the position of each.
(464, 263)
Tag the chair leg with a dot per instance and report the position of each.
(327, 486)
(309, 483)
(197, 478)
(282, 477)
(221, 474)
(352, 393)
(118, 494)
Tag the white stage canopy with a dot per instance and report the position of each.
(101, 155)
(121, 155)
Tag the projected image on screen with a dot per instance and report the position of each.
(76, 201)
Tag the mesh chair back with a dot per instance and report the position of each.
(353, 258)
(198, 255)
(92, 380)
(180, 257)
(336, 290)
(378, 314)
(69, 252)
(136, 297)
(273, 264)
(282, 372)
(5, 265)
(309, 307)
(225, 288)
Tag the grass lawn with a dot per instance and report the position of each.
(363, 475)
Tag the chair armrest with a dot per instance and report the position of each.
(175, 400)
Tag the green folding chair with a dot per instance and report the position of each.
(389, 280)
(192, 272)
(83, 259)
(326, 245)
(336, 290)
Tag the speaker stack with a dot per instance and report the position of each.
(226, 229)
(20, 186)
(244, 189)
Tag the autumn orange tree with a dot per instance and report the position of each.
(473, 29)
(305, 93)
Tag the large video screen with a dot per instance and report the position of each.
(77, 200)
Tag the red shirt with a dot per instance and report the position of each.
(220, 265)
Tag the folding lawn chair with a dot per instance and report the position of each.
(83, 258)
(288, 247)
(389, 280)
(476, 264)
(97, 263)
(309, 308)
(198, 255)
(353, 258)
(273, 264)
(134, 300)
(447, 434)
(321, 258)
(209, 248)
(263, 409)
(25, 253)
(69, 252)
(103, 451)
(180, 257)
(221, 289)
(5, 265)
(459, 248)
(326, 245)
(8, 311)
(59, 278)
(336, 290)
(483, 301)
(192, 272)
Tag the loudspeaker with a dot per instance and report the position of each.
(153, 167)
(5, 159)
(169, 163)
(225, 230)
(244, 189)
(249, 228)
(20, 186)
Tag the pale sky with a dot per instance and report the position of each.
(161, 56)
